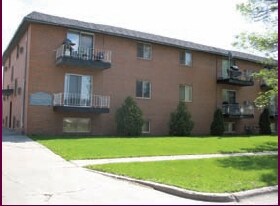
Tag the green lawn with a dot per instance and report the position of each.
(205, 175)
(74, 148)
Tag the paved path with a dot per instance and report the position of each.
(32, 174)
(82, 163)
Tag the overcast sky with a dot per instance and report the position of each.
(209, 22)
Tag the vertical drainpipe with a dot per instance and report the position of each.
(24, 83)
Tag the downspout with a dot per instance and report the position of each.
(24, 83)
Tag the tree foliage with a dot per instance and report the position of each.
(217, 126)
(265, 12)
(264, 122)
(270, 78)
(129, 118)
(181, 123)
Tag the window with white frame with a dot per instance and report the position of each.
(185, 93)
(186, 58)
(83, 44)
(77, 90)
(144, 51)
(146, 127)
(143, 89)
(76, 125)
(229, 127)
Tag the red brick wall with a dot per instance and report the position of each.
(163, 70)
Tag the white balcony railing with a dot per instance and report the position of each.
(237, 110)
(84, 54)
(81, 100)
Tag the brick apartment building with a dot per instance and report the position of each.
(65, 76)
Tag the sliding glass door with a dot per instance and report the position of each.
(77, 90)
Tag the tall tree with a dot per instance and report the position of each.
(265, 12)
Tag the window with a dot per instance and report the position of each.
(17, 51)
(186, 58)
(16, 87)
(143, 89)
(76, 125)
(146, 127)
(144, 51)
(229, 96)
(12, 73)
(185, 93)
(229, 127)
(9, 61)
(83, 44)
(225, 69)
(273, 127)
(77, 90)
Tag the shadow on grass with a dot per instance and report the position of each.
(255, 163)
(267, 146)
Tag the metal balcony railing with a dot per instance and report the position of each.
(237, 110)
(81, 100)
(84, 54)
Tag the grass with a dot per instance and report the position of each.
(205, 175)
(74, 148)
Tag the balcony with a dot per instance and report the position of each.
(237, 111)
(69, 102)
(83, 57)
(234, 76)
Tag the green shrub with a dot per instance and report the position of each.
(181, 123)
(217, 126)
(129, 118)
(264, 122)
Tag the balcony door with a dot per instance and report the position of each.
(83, 47)
(78, 90)
(229, 96)
(225, 69)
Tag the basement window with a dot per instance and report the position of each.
(146, 127)
(76, 125)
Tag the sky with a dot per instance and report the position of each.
(209, 22)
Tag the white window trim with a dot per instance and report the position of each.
(191, 97)
(143, 53)
(149, 131)
(143, 90)
(66, 86)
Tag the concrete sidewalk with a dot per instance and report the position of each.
(32, 174)
(83, 163)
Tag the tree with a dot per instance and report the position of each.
(181, 123)
(265, 12)
(129, 118)
(264, 122)
(217, 126)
